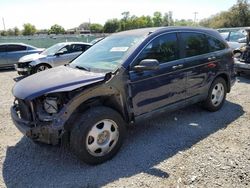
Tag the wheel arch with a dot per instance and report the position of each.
(113, 101)
(227, 80)
(43, 63)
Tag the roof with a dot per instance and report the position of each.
(146, 31)
(65, 43)
(14, 43)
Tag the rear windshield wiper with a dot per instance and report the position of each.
(82, 68)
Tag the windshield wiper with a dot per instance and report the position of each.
(82, 68)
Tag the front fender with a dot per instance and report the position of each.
(97, 91)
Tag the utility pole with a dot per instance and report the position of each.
(89, 25)
(3, 24)
(195, 14)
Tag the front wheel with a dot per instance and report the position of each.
(216, 95)
(41, 67)
(98, 135)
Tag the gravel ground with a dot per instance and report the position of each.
(187, 148)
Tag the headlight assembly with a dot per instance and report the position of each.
(51, 105)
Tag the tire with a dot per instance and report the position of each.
(41, 67)
(97, 135)
(216, 95)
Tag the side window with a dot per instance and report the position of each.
(2, 48)
(78, 48)
(215, 44)
(194, 44)
(235, 36)
(65, 49)
(14, 48)
(164, 48)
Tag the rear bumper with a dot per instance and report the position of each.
(45, 133)
(241, 66)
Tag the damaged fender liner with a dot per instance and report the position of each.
(46, 134)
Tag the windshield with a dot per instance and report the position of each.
(107, 55)
(53, 49)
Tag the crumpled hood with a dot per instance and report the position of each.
(57, 79)
(31, 57)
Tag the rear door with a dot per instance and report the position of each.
(201, 63)
(154, 89)
(3, 59)
(14, 53)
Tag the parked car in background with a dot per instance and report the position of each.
(236, 37)
(125, 77)
(56, 55)
(10, 53)
(242, 57)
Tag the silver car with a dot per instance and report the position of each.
(56, 55)
(10, 53)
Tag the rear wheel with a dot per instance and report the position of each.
(97, 135)
(216, 96)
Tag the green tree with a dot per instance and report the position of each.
(165, 20)
(184, 22)
(56, 29)
(111, 26)
(3, 33)
(96, 28)
(149, 22)
(237, 16)
(29, 29)
(84, 26)
(10, 32)
(157, 19)
(16, 31)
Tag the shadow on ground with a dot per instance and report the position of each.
(2, 70)
(150, 143)
(244, 78)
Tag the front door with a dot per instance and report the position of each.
(66, 57)
(154, 89)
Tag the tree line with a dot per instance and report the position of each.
(237, 16)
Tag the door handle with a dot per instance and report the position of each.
(177, 66)
(211, 58)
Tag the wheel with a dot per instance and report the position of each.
(41, 67)
(97, 135)
(216, 95)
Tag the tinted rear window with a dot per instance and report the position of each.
(194, 44)
(14, 48)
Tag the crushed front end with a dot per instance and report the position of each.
(36, 119)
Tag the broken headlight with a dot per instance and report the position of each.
(51, 105)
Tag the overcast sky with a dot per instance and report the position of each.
(71, 13)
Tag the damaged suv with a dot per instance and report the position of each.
(123, 78)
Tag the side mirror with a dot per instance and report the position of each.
(147, 64)
(59, 53)
(242, 40)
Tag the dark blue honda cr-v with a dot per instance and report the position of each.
(125, 77)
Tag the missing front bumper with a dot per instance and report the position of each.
(45, 133)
